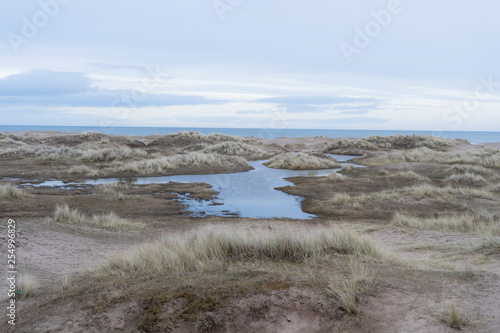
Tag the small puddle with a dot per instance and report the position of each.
(246, 194)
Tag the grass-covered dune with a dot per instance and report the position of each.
(393, 142)
(131, 258)
(214, 246)
(93, 154)
(302, 161)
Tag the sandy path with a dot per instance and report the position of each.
(400, 309)
(50, 252)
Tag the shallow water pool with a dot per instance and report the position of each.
(246, 194)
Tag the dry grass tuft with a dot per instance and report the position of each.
(335, 177)
(466, 179)
(234, 148)
(448, 195)
(483, 157)
(392, 142)
(112, 190)
(347, 201)
(348, 168)
(83, 170)
(224, 137)
(302, 161)
(409, 174)
(79, 154)
(26, 285)
(494, 187)
(9, 191)
(488, 225)
(488, 245)
(6, 140)
(161, 164)
(453, 316)
(111, 221)
(349, 290)
(213, 246)
(471, 169)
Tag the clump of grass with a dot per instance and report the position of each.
(392, 142)
(80, 154)
(234, 148)
(383, 172)
(446, 195)
(486, 157)
(466, 179)
(488, 225)
(83, 170)
(6, 140)
(471, 169)
(348, 168)
(187, 138)
(224, 137)
(487, 245)
(17, 153)
(213, 246)
(302, 161)
(349, 290)
(9, 191)
(112, 154)
(346, 201)
(66, 282)
(112, 190)
(26, 285)
(494, 187)
(111, 221)
(32, 137)
(161, 164)
(409, 174)
(347, 294)
(453, 316)
(335, 177)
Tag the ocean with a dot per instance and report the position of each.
(472, 137)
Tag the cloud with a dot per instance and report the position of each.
(305, 108)
(112, 67)
(360, 120)
(331, 122)
(255, 111)
(323, 104)
(315, 100)
(355, 112)
(46, 88)
(44, 82)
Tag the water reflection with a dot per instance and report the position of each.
(245, 194)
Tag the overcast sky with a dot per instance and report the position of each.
(357, 64)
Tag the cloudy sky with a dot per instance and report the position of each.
(415, 65)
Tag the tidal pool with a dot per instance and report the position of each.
(246, 194)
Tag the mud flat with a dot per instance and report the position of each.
(408, 243)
